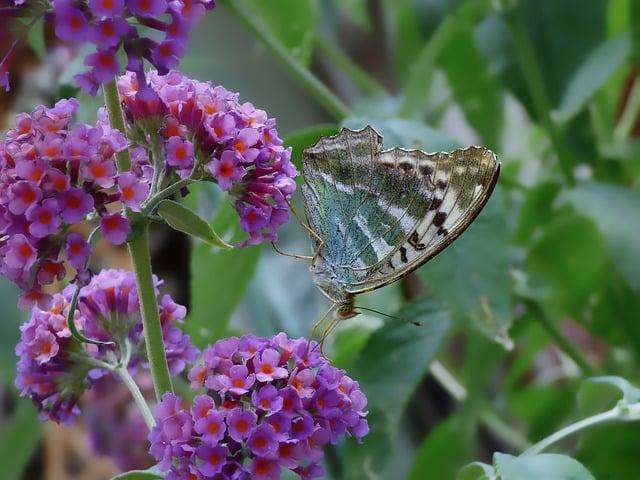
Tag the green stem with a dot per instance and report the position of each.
(310, 82)
(538, 91)
(152, 329)
(616, 414)
(162, 194)
(116, 119)
(490, 420)
(360, 77)
(141, 403)
(630, 113)
(141, 259)
(562, 341)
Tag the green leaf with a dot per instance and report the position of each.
(534, 213)
(477, 91)
(398, 132)
(291, 21)
(570, 258)
(183, 219)
(594, 396)
(389, 368)
(616, 212)
(477, 471)
(547, 466)
(18, 439)
(471, 276)
(301, 139)
(552, 27)
(219, 279)
(35, 38)
(151, 474)
(9, 332)
(435, 454)
(599, 66)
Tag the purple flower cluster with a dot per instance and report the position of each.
(54, 369)
(114, 24)
(208, 134)
(52, 176)
(273, 404)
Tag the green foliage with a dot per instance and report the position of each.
(390, 366)
(150, 474)
(476, 287)
(18, 440)
(291, 21)
(219, 279)
(549, 466)
(181, 218)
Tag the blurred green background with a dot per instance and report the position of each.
(542, 291)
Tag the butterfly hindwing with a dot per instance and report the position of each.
(382, 213)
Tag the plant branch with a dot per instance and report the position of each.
(617, 414)
(630, 113)
(538, 91)
(360, 77)
(490, 420)
(141, 259)
(162, 194)
(308, 80)
(152, 329)
(116, 119)
(559, 338)
(141, 403)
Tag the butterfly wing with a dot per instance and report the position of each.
(383, 213)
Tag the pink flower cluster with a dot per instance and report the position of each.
(274, 403)
(53, 176)
(112, 25)
(54, 369)
(207, 134)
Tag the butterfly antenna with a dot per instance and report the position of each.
(412, 322)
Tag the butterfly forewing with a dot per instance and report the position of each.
(383, 213)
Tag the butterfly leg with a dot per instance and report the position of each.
(292, 255)
(303, 224)
(332, 325)
(320, 320)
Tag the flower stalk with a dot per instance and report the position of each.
(141, 259)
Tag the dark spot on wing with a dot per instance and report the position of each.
(435, 203)
(426, 170)
(439, 219)
(405, 166)
(403, 254)
(441, 184)
(442, 231)
(414, 241)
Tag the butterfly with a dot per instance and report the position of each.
(376, 215)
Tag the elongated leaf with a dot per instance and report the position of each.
(474, 87)
(393, 362)
(471, 276)
(183, 219)
(571, 258)
(219, 279)
(18, 439)
(549, 466)
(616, 213)
(291, 21)
(139, 475)
(599, 66)
(435, 454)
